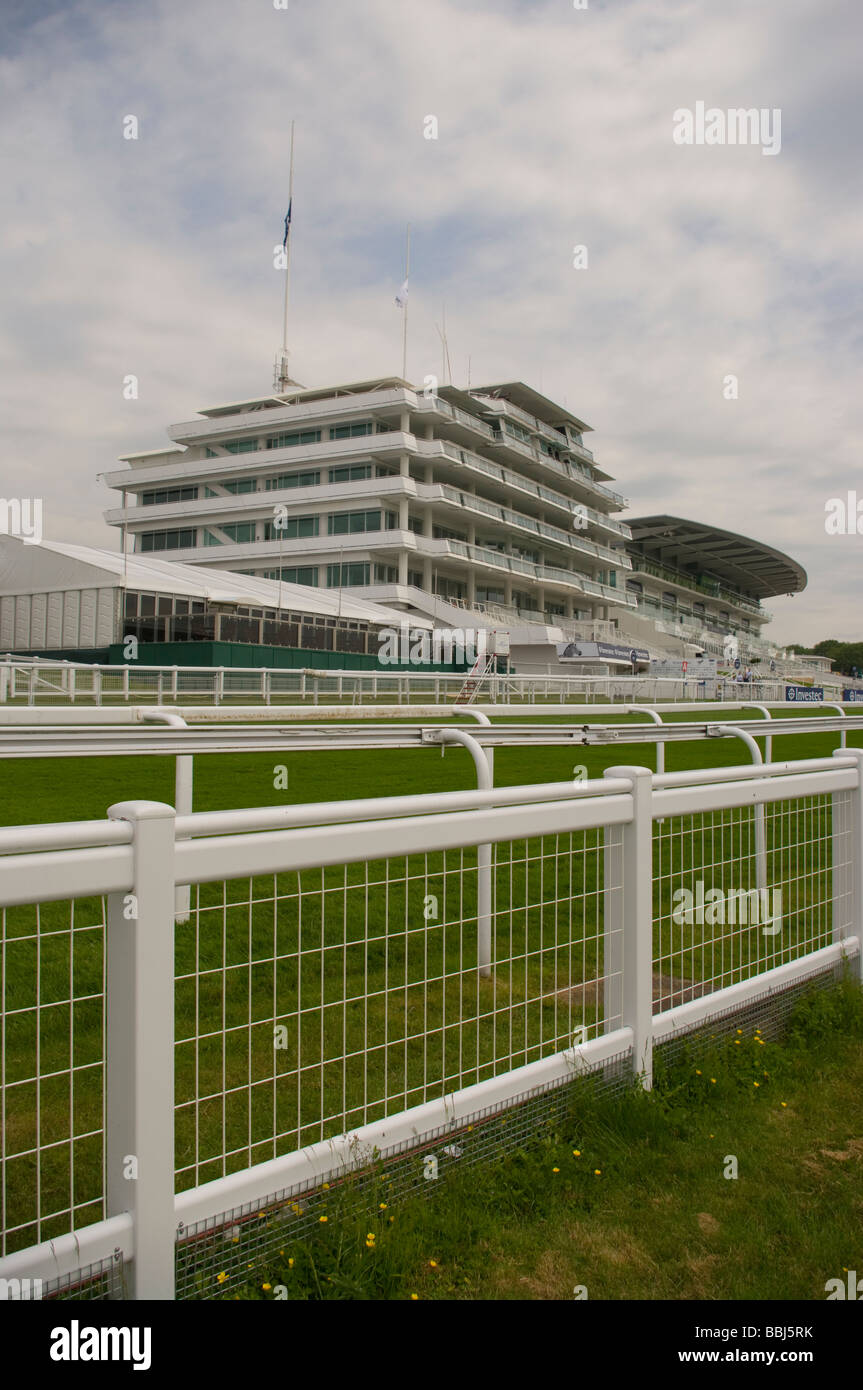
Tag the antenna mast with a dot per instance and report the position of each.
(405, 327)
(281, 379)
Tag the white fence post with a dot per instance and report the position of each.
(847, 887)
(139, 1083)
(628, 936)
(184, 776)
(484, 908)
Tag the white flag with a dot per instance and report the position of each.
(402, 296)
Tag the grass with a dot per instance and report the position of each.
(627, 1198)
(278, 950)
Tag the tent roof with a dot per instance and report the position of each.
(33, 568)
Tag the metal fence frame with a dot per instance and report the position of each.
(146, 850)
(48, 682)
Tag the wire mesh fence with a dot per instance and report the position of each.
(312, 1002)
(309, 1004)
(739, 891)
(52, 1069)
(216, 1256)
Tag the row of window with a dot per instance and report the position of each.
(358, 574)
(294, 574)
(166, 540)
(168, 494)
(292, 528)
(309, 477)
(166, 605)
(291, 439)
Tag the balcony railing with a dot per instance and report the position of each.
(541, 573)
(540, 528)
(500, 473)
(711, 590)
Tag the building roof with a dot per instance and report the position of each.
(532, 401)
(302, 394)
(53, 565)
(748, 565)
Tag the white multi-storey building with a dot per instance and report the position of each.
(478, 507)
(484, 500)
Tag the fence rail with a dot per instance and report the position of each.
(45, 682)
(368, 987)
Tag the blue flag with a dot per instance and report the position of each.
(287, 224)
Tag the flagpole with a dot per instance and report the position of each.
(282, 374)
(405, 327)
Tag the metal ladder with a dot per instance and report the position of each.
(481, 668)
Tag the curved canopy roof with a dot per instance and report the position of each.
(697, 547)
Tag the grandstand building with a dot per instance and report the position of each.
(479, 507)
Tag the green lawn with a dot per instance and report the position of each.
(286, 951)
(624, 1198)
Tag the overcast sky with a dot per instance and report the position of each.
(154, 256)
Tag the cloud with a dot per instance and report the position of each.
(154, 256)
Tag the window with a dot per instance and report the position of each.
(386, 574)
(445, 534)
(525, 600)
(355, 574)
(167, 540)
(350, 473)
(169, 494)
(235, 628)
(292, 528)
(309, 478)
(349, 523)
(415, 524)
(235, 446)
(289, 441)
(352, 431)
(237, 531)
(415, 578)
(236, 486)
(301, 574)
(516, 431)
(450, 588)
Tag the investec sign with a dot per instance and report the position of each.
(853, 697)
(804, 694)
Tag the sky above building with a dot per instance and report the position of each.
(698, 303)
